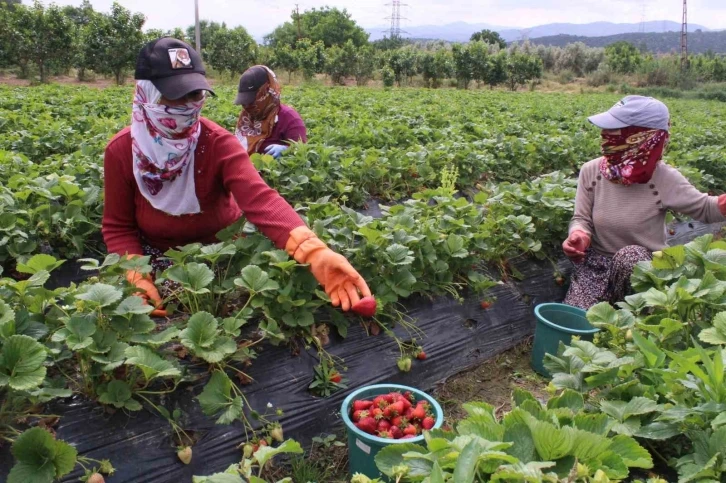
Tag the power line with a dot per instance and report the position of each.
(395, 18)
(684, 37)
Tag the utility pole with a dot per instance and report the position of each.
(197, 33)
(684, 37)
(297, 21)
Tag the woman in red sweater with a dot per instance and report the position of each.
(174, 178)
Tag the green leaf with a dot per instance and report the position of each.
(216, 398)
(255, 280)
(225, 477)
(133, 305)
(602, 313)
(437, 475)
(80, 329)
(392, 456)
(113, 358)
(715, 335)
(21, 363)
(586, 445)
(265, 453)
(158, 339)
(551, 443)
(594, 423)
(670, 258)
(118, 394)
(633, 455)
(39, 263)
(194, 277)
(7, 321)
(653, 355)
(399, 255)
(40, 458)
(151, 364)
(466, 463)
(568, 399)
(658, 431)
(101, 294)
(201, 331)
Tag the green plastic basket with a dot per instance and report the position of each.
(557, 323)
(363, 447)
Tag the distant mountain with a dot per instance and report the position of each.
(461, 31)
(662, 43)
(453, 32)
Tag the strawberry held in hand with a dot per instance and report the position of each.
(366, 307)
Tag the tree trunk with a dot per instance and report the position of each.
(41, 68)
(120, 77)
(23, 69)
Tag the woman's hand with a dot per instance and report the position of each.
(147, 291)
(576, 245)
(343, 284)
(275, 150)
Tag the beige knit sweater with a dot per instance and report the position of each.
(617, 216)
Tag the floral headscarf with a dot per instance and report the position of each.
(256, 122)
(163, 140)
(632, 156)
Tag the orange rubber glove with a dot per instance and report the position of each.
(147, 290)
(722, 204)
(576, 245)
(339, 279)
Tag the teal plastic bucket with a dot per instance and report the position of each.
(363, 447)
(557, 323)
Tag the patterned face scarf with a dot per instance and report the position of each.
(163, 140)
(632, 156)
(256, 122)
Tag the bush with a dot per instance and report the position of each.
(603, 75)
(565, 77)
(389, 77)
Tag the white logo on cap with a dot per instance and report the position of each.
(180, 59)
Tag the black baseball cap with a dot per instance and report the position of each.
(173, 66)
(250, 82)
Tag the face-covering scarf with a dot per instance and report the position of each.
(163, 140)
(632, 156)
(256, 122)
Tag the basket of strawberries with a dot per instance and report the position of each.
(380, 415)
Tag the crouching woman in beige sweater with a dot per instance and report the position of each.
(622, 199)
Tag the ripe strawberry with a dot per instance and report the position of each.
(380, 402)
(95, 478)
(335, 377)
(485, 304)
(389, 398)
(276, 434)
(560, 280)
(409, 395)
(421, 356)
(185, 455)
(366, 307)
(384, 425)
(361, 405)
(671, 232)
(394, 410)
(420, 412)
(408, 436)
(385, 435)
(406, 404)
(377, 413)
(358, 415)
(263, 442)
(396, 432)
(397, 421)
(367, 425)
(410, 430)
(408, 414)
(428, 423)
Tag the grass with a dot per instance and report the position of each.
(492, 381)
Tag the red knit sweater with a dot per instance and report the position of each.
(227, 186)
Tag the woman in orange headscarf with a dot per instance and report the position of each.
(266, 125)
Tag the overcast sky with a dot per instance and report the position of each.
(260, 17)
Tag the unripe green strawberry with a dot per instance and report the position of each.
(185, 455)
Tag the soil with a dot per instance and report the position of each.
(491, 382)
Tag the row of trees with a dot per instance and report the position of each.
(319, 41)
